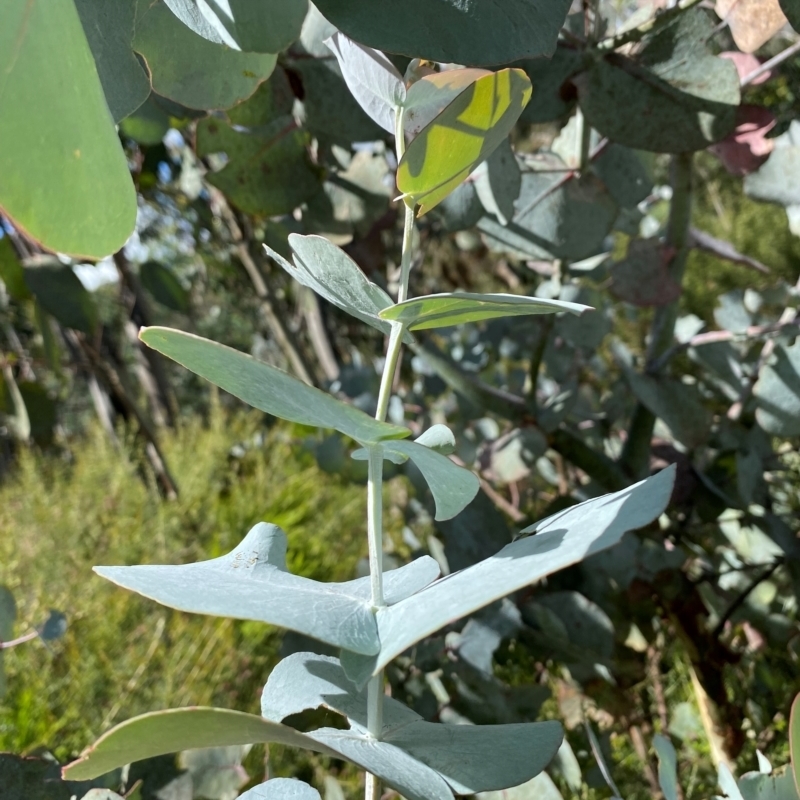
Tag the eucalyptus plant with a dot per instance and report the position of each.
(445, 124)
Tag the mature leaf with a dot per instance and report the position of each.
(676, 97)
(667, 767)
(60, 292)
(778, 180)
(752, 22)
(252, 582)
(470, 758)
(484, 32)
(552, 96)
(561, 540)
(268, 171)
(373, 80)
(191, 70)
(456, 308)
(164, 286)
(777, 393)
(281, 789)
(162, 732)
(109, 30)
(148, 124)
(267, 388)
(253, 26)
(465, 133)
(331, 273)
(273, 99)
(498, 181)
(72, 191)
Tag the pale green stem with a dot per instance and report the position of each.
(389, 368)
(375, 525)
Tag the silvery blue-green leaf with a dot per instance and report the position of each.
(439, 438)
(371, 77)
(777, 393)
(727, 783)
(498, 181)
(470, 758)
(331, 273)
(549, 75)
(776, 786)
(624, 172)
(216, 773)
(257, 26)
(461, 209)
(566, 764)
(562, 540)
(539, 788)
(251, 582)
(667, 767)
(778, 179)
(456, 308)
(8, 614)
(266, 388)
(281, 789)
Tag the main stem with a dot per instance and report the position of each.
(375, 692)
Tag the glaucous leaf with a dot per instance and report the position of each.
(498, 181)
(253, 26)
(54, 627)
(778, 180)
(72, 191)
(552, 97)
(191, 70)
(109, 31)
(561, 540)
(8, 615)
(667, 767)
(777, 393)
(439, 438)
(267, 388)
(677, 96)
(461, 209)
(761, 786)
(456, 308)
(539, 788)
(625, 175)
(465, 133)
(470, 758)
(268, 171)
(331, 273)
(59, 292)
(372, 79)
(164, 286)
(492, 32)
(252, 582)
(281, 789)
(643, 277)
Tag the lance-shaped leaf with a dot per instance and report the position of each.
(456, 308)
(373, 80)
(461, 136)
(281, 789)
(777, 393)
(331, 273)
(470, 758)
(561, 540)
(64, 178)
(252, 582)
(267, 388)
(478, 33)
(254, 26)
(191, 70)
(678, 97)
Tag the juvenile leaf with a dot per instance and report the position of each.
(470, 758)
(624, 173)
(268, 171)
(192, 70)
(331, 273)
(778, 180)
(72, 191)
(253, 26)
(267, 388)
(252, 582)
(769, 786)
(439, 438)
(461, 209)
(164, 286)
(561, 540)
(465, 133)
(109, 30)
(281, 789)
(485, 32)
(498, 181)
(60, 293)
(552, 96)
(667, 767)
(373, 80)
(777, 393)
(456, 308)
(675, 98)
(643, 277)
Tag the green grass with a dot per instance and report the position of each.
(124, 655)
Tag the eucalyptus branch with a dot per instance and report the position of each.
(740, 599)
(653, 24)
(769, 65)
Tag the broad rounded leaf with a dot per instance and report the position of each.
(60, 292)
(281, 789)
(267, 388)
(777, 393)
(550, 99)
(456, 308)
(253, 26)
(480, 32)
(778, 180)
(71, 190)
(109, 30)
(191, 70)
(461, 136)
(561, 540)
(498, 182)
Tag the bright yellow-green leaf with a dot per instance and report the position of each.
(461, 136)
(64, 178)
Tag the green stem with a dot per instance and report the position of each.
(389, 368)
(375, 525)
(635, 456)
